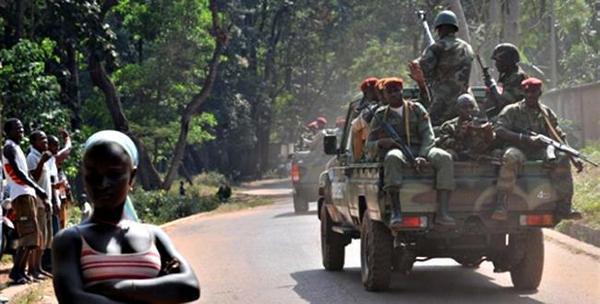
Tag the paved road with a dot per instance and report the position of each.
(271, 255)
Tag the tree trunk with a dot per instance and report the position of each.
(147, 174)
(510, 30)
(463, 33)
(553, 47)
(19, 28)
(72, 88)
(193, 108)
(493, 26)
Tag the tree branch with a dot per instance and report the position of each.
(193, 108)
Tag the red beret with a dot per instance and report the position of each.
(531, 83)
(313, 125)
(379, 84)
(369, 82)
(393, 82)
(321, 120)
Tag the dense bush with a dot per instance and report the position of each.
(162, 206)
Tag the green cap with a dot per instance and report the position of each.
(446, 17)
(506, 52)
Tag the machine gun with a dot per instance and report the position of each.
(553, 145)
(364, 105)
(428, 35)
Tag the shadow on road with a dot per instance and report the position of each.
(426, 284)
(292, 214)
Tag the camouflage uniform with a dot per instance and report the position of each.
(421, 141)
(467, 141)
(446, 65)
(511, 89)
(518, 117)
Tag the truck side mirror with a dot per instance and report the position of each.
(330, 144)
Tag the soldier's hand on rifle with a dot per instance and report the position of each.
(535, 141)
(419, 163)
(386, 143)
(489, 81)
(578, 164)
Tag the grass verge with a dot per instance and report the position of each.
(587, 191)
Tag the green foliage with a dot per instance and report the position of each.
(587, 188)
(162, 206)
(173, 46)
(577, 39)
(28, 92)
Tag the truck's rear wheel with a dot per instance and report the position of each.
(300, 205)
(376, 251)
(527, 274)
(332, 244)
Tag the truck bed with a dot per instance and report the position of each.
(475, 189)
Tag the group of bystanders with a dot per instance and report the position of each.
(37, 194)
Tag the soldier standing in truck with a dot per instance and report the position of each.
(446, 65)
(508, 90)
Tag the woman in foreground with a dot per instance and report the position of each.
(109, 258)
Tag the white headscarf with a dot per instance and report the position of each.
(112, 136)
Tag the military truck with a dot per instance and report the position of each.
(307, 165)
(352, 205)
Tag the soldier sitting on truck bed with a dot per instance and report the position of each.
(360, 124)
(466, 137)
(514, 126)
(411, 121)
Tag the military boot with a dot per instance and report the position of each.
(396, 216)
(501, 211)
(443, 200)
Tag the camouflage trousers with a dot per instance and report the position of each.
(394, 163)
(560, 172)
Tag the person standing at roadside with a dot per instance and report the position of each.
(23, 192)
(37, 161)
(61, 184)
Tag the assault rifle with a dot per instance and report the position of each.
(490, 83)
(428, 35)
(363, 105)
(553, 145)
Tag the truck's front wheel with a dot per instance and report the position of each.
(376, 251)
(527, 274)
(332, 244)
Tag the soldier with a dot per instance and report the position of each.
(508, 90)
(311, 133)
(446, 65)
(465, 137)
(513, 123)
(360, 125)
(411, 121)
